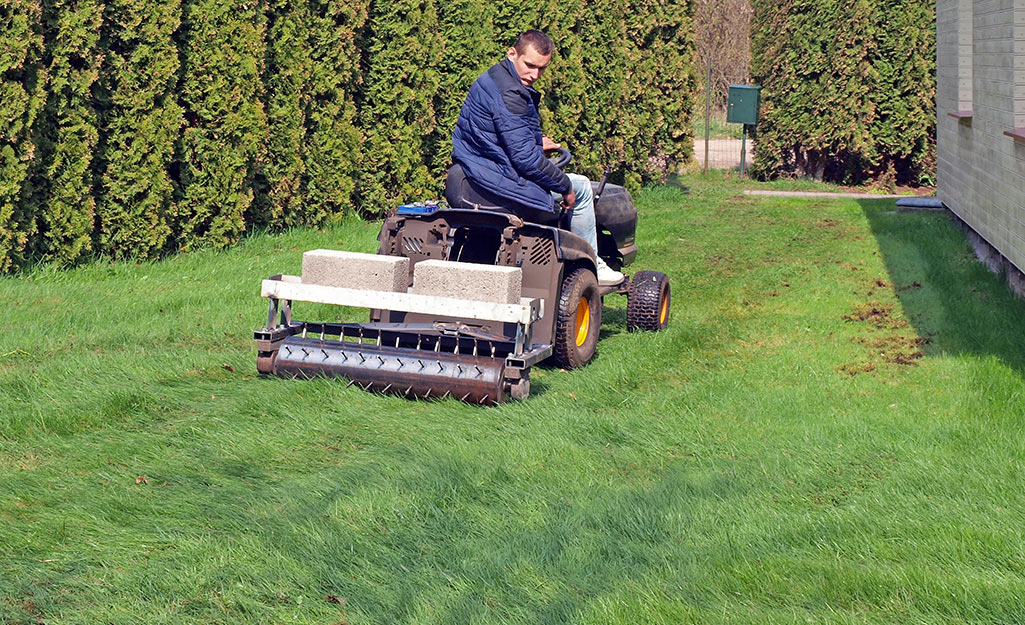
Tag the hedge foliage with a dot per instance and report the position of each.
(848, 89)
(22, 95)
(136, 128)
(142, 118)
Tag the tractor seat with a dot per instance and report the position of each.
(460, 192)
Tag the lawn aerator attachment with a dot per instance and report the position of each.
(463, 302)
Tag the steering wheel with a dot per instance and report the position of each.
(562, 158)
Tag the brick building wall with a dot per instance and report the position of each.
(980, 98)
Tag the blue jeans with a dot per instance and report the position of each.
(581, 220)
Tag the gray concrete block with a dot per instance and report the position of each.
(483, 283)
(920, 203)
(353, 270)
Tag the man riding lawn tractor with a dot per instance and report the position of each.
(498, 145)
(466, 299)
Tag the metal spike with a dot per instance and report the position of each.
(419, 340)
(437, 345)
(396, 340)
(463, 398)
(492, 350)
(304, 331)
(322, 329)
(362, 358)
(474, 347)
(378, 339)
(457, 346)
(323, 351)
(401, 364)
(382, 362)
(460, 368)
(305, 353)
(367, 387)
(479, 371)
(447, 393)
(288, 349)
(427, 395)
(408, 390)
(421, 364)
(385, 389)
(345, 356)
(441, 367)
(351, 382)
(484, 399)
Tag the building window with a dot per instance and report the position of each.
(1018, 133)
(1019, 65)
(965, 54)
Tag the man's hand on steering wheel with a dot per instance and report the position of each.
(570, 198)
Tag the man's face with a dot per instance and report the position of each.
(529, 64)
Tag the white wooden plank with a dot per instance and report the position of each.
(285, 288)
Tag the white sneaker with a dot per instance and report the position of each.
(607, 276)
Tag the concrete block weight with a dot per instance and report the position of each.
(354, 270)
(482, 283)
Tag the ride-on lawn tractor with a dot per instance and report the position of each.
(464, 300)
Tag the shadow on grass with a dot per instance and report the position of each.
(947, 294)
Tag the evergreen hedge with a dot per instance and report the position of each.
(135, 128)
(141, 123)
(22, 95)
(72, 135)
(225, 139)
(332, 138)
(848, 89)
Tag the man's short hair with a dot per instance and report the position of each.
(537, 39)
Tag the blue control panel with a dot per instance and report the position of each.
(420, 208)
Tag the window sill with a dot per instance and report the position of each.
(962, 116)
(1018, 134)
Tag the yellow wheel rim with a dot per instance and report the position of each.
(665, 311)
(583, 320)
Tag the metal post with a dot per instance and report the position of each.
(708, 107)
(743, 149)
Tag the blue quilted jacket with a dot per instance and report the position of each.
(497, 141)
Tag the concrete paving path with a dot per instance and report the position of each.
(860, 196)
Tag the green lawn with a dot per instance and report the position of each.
(830, 431)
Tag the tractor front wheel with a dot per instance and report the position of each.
(647, 306)
(579, 321)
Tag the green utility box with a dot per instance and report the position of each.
(743, 104)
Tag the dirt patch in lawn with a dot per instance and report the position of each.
(877, 314)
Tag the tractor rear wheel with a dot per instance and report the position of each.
(647, 307)
(579, 321)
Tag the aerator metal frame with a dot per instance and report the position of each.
(410, 359)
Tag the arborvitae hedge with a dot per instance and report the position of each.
(333, 139)
(397, 103)
(67, 218)
(905, 87)
(133, 128)
(288, 86)
(22, 95)
(847, 88)
(141, 124)
(225, 138)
